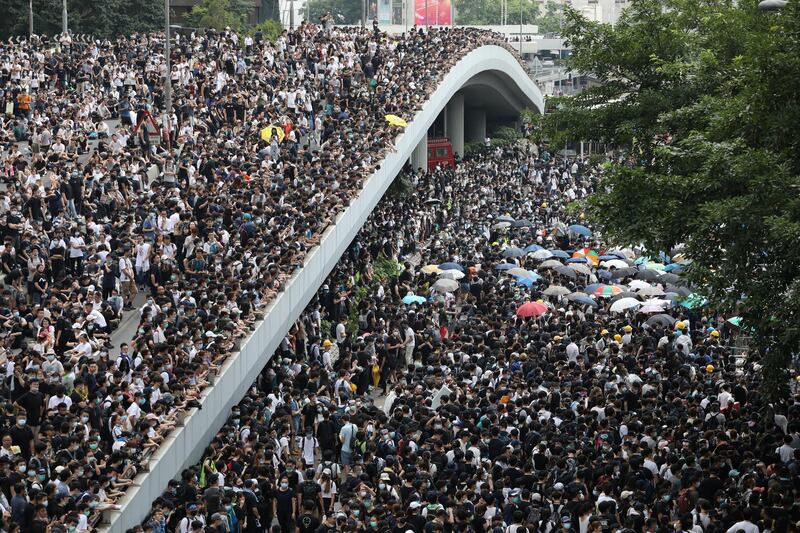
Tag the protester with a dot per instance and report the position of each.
(580, 416)
(192, 228)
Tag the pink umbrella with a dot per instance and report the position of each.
(647, 309)
(531, 309)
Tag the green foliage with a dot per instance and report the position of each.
(480, 12)
(271, 29)
(385, 268)
(220, 14)
(473, 147)
(400, 187)
(99, 19)
(343, 11)
(703, 98)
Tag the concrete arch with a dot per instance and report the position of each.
(490, 66)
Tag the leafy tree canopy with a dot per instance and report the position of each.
(703, 97)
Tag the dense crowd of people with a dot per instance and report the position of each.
(193, 227)
(473, 364)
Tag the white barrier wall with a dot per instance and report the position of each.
(186, 444)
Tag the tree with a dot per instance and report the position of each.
(220, 14)
(486, 12)
(343, 11)
(703, 99)
(99, 19)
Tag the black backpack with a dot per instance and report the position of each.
(310, 489)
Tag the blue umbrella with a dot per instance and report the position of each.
(451, 266)
(579, 260)
(593, 287)
(582, 299)
(409, 299)
(610, 257)
(605, 274)
(526, 281)
(677, 268)
(504, 266)
(560, 254)
(533, 248)
(580, 230)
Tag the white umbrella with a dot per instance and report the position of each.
(556, 290)
(445, 285)
(638, 284)
(551, 263)
(580, 267)
(521, 272)
(651, 309)
(623, 304)
(542, 254)
(614, 263)
(501, 225)
(659, 302)
(652, 291)
(451, 274)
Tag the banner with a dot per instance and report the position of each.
(438, 12)
(384, 11)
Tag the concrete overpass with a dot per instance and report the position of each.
(487, 81)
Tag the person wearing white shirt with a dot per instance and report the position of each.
(786, 452)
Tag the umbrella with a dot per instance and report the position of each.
(682, 291)
(655, 266)
(583, 269)
(451, 266)
(662, 319)
(580, 230)
(531, 309)
(625, 253)
(735, 321)
(533, 248)
(607, 291)
(524, 223)
(505, 218)
(589, 289)
(433, 201)
(624, 304)
(451, 274)
(670, 278)
(609, 257)
(560, 229)
(501, 225)
(551, 263)
(556, 290)
(638, 284)
(605, 274)
(521, 272)
(582, 260)
(542, 254)
(394, 120)
(657, 301)
(579, 297)
(694, 300)
(513, 251)
(445, 285)
(647, 274)
(528, 282)
(651, 309)
(505, 266)
(566, 272)
(626, 294)
(272, 129)
(561, 254)
(675, 268)
(613, 263)
(651, 291)
(431, 269)
(624, 272)
(411, 298)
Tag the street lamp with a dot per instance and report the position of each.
(168, 74)
(772, 5)
(30, 18)
(64, 16)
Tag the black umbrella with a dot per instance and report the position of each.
(662, 320)
(647, 275)
(669, 277)
(626, 294)
(521, 224)
(567, 272)
(623, 272)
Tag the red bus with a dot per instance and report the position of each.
(440, 153)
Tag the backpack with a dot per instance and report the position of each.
(684, 501)
(534, 515)
(309, 490)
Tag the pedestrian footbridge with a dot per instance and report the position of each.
(486, 84)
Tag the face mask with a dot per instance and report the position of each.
(373, 524)
(22, 468)
(382, 486)
(84, 419)
(51, 357)
(284, 486)
(93, 504)
(42, 477)
(119, 397)
(142, 402)
(355, 512)
(22, 421)
(93, 446)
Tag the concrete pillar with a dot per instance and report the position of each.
(419, 159)
(476, 125)
(454, 123)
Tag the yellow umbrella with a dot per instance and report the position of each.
(271, 130)
(431, 269)
(394, 120)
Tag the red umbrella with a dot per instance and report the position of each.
(531, 309)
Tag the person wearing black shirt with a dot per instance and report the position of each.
(33, 402)
(284, 505)
(22, 436)
(307, 522)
